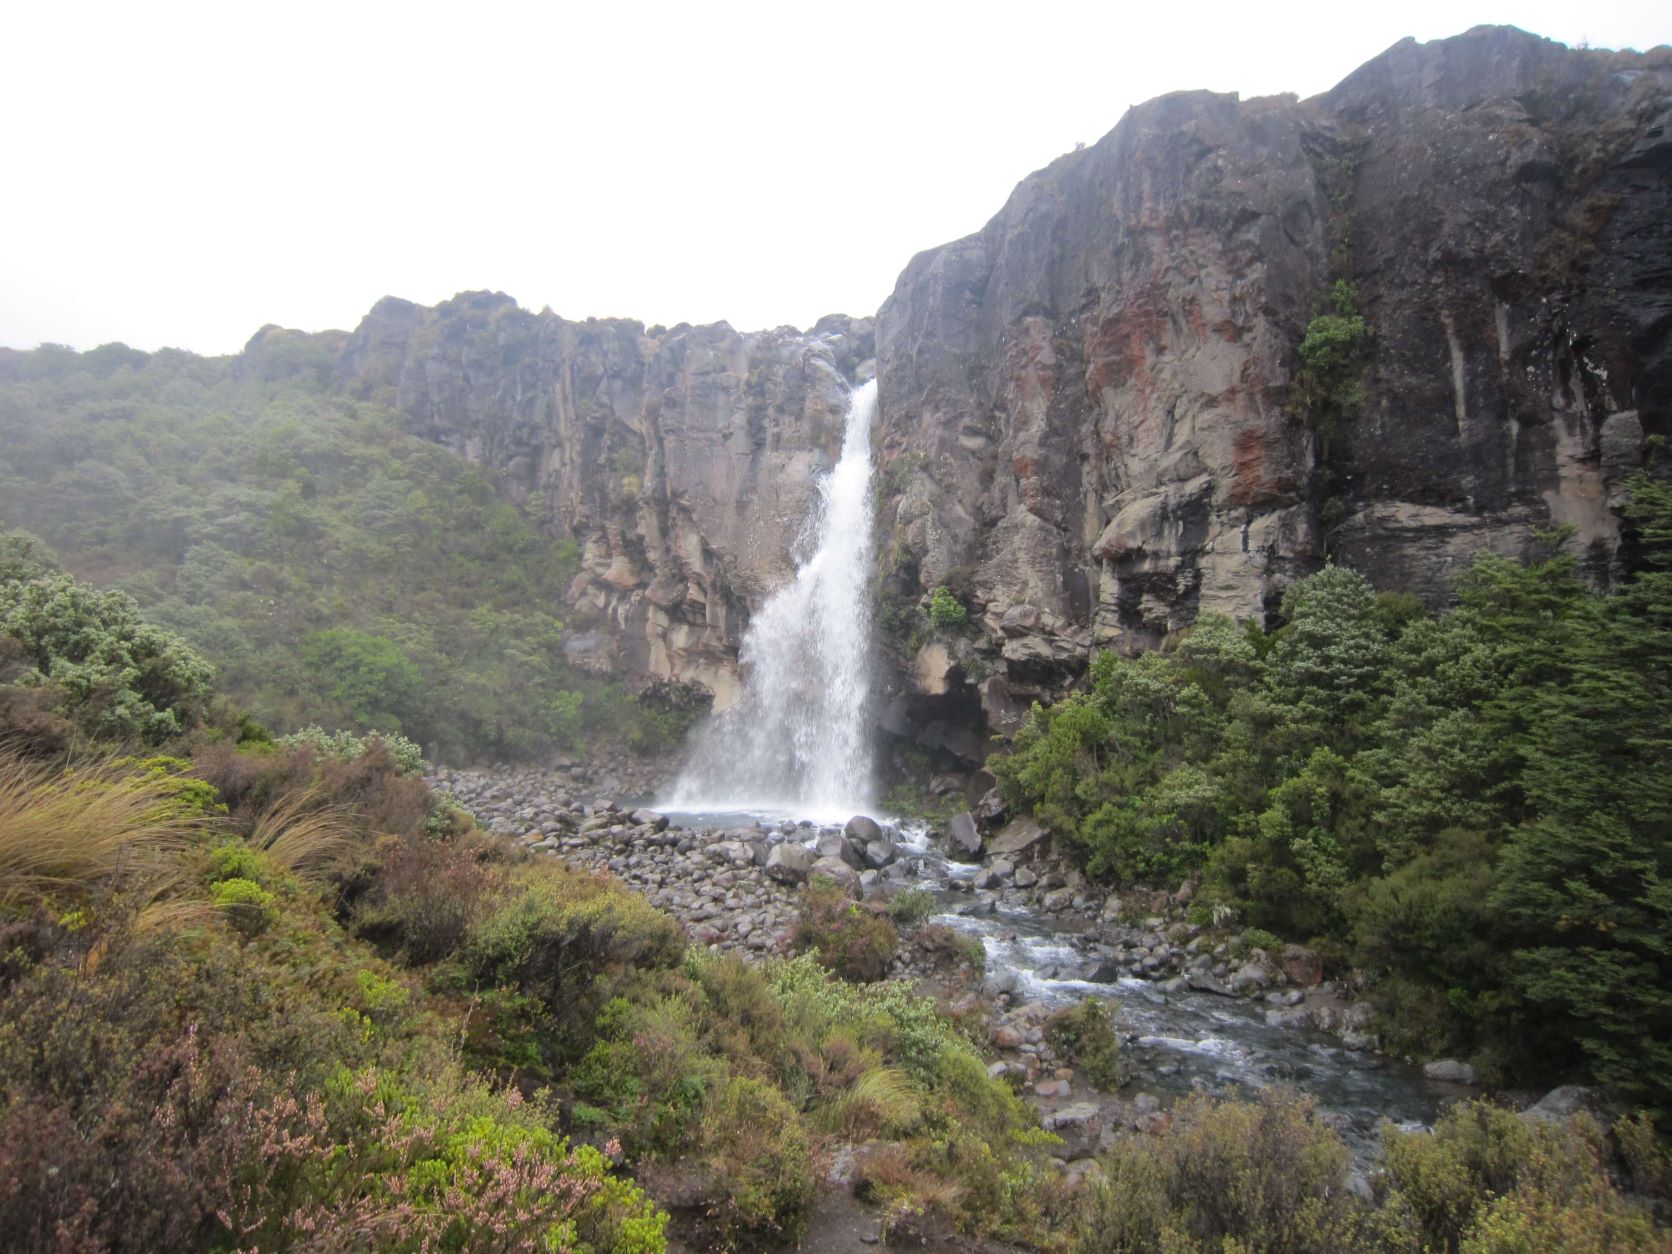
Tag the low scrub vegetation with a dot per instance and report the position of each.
(852, 939)
(1269, 1176)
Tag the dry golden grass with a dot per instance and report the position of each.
(68, 835)
(882, 1100)
(303, 837)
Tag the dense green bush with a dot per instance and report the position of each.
(116, 675)
(1476, 801)
(1331, 355)
(1262, 1176)
(1087, 1037)
(347, 747)
(946, 611)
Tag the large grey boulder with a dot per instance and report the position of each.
(1018, 837)
(836, 845)
(861, 830)
(963, 838)
(1449, 1071)
(991, 812)
(789, 863)
(837, 870)
(1562, 1103)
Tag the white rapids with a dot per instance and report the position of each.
(797, 741)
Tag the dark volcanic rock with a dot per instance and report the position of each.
(963, 838)
(681, 461)
(1088, 406)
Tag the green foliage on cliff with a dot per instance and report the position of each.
(946, 611)
(334, 568)
(1331, 354)
(1476, 802)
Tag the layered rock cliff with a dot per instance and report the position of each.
(682, 461)
(1093, 424)
(1091, 403)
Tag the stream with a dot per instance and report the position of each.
(1178, 1043)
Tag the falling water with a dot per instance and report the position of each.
(796, 741)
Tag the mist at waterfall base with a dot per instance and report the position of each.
(797, 741)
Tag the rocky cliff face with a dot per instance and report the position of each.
(681, 461)
(1089, 410)
(1090, 424)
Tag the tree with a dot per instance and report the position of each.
(120, 676)
(1587, 880)
(372, 677)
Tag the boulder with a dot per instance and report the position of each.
(650, 818)
(991, 812)
(836, 845)
(1205, 982)
(1080, 1126)
(839, 871)
(963, 838)
(1562, 1103)
(1302, 965)
(880, 852)
(790, 864)
(1449, 1071)
(1058, 899)
(1019, 837)
(862, 830)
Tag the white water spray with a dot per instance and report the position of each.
(797, 740)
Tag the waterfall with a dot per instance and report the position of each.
(797, 740)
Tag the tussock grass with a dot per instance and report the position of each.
(883, 1099)
(66, 836)
(302, 836)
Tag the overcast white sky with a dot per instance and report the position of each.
(181, 174)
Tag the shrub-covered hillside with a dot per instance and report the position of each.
(1475, 807)
(333, 568)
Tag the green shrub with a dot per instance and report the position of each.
(946, 611)
(120, 677)
(1257, 1176)
(761, 1159)
(235, 860)
(1487, 1180)
(1087, 1037)
(852, 940)
(345, 746)
(557, 932)
(1331, 352)
(250, 907)
(912, 907)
